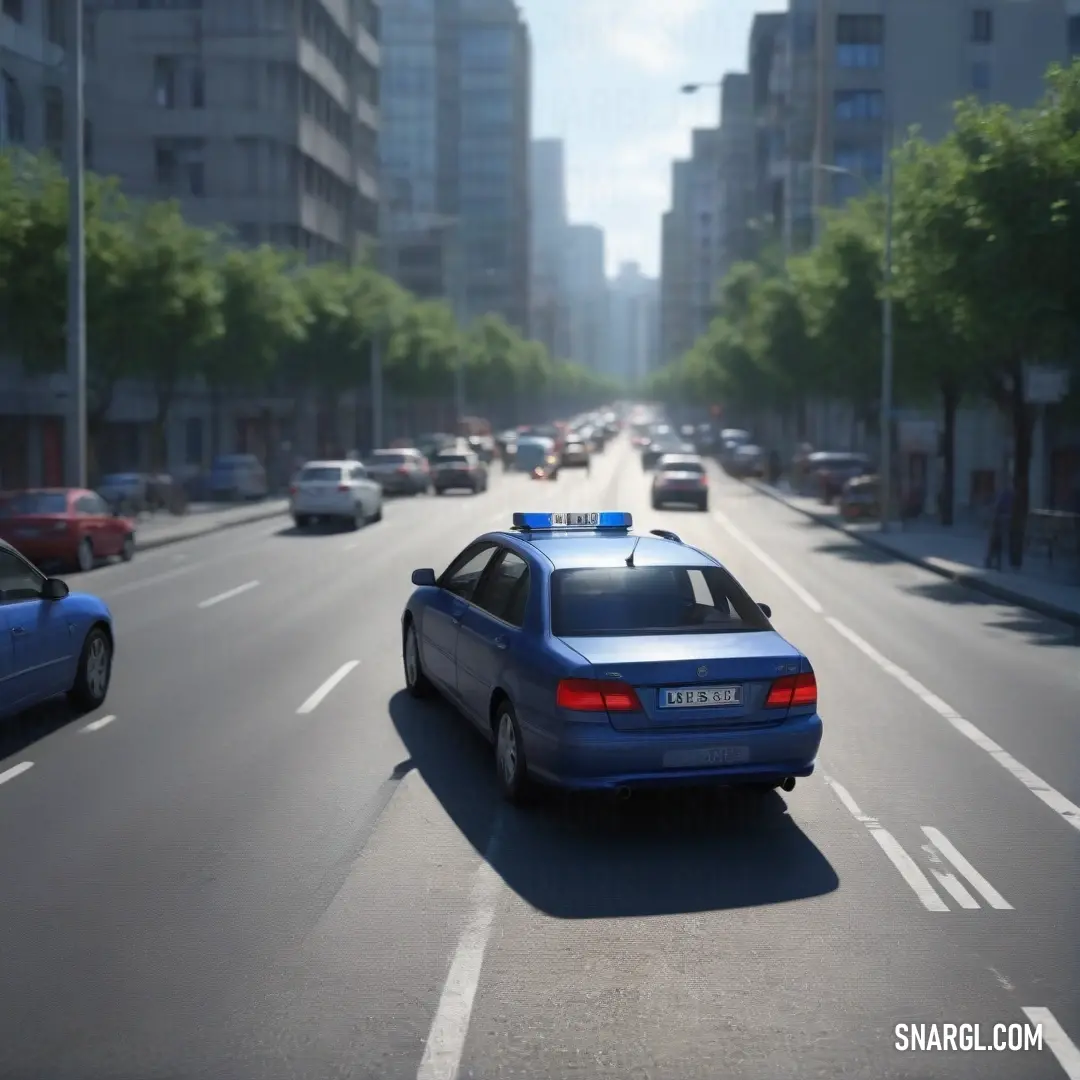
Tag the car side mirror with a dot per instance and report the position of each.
(422, 578)
(766, 610)
(55, 589)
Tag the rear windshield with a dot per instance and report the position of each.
(321, 472)
(34, 502)
(387, 459)
(625, 600)
(451, 459)
(682, 466)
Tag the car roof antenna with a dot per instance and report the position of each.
(630, 557)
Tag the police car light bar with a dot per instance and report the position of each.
(605, 519)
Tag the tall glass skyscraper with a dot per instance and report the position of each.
(454, 152)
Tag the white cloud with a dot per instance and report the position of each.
(648, 33)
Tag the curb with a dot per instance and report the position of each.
(194, 533)
(935, 566)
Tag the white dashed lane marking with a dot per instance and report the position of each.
(97, 725)
(1056, 1040)
(941, 845)
(222, 597)
(320, 695)
(15, 770)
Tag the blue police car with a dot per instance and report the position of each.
(52, 641)
(594, 657)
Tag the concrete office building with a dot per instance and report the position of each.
(737, 204)
(677, 295)
(493, 160)
(260, 116)
(887, 65)
(549, 298)
(770, 83)
(634, 345)
(586, 292)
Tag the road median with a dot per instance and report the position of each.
(1033, 594)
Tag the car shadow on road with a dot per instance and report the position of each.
(330, 528)
(855, 551)
(588, 857)
(19, 732)
(1039, 629)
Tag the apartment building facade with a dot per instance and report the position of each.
(259, 115)
(549, 224)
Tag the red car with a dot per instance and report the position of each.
(69, 526)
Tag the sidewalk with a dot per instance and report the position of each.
(157, 530)
(957, 554)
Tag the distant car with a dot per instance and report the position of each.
(70, 528)
(575, 455)
(829, 471)
(658, 446)
(56, 641)
(861, 498)
(748, 462)
(460, 470)
(404, 471)
(335, 491)
(539, 457)
(237, 476)
(597, 658)
(126, 493)
(680, 478)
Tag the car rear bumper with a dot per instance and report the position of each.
(343, 507)
(597, 757)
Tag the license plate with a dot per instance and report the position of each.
(711, 755)
(700, 697)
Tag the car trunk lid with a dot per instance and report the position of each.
(671, 672)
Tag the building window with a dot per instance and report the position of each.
(13, 116)
(859, 105)
(860, 41)
(248, 149)
(165, 81)
(54, 120)
(13, 9)
(980, 75)
(198, 87)
(56, 22)
(982, 26)
(180, 166)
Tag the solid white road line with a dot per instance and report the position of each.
(974, 878)
(15, 770)
(1054, 1036)
(446, 1039)
(316, 699)
(904, 863)
(767, 560)
(97, 725)
(1057, 802)
(221, 597)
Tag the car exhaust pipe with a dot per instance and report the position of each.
(622, 794)
(788, 783)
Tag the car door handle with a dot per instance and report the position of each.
(501, 643)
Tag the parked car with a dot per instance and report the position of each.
(237, 476)
(458, 470)
(748, 461)
(335, 491)
(400, 471)
(60, 641)
(68, 527)
(861, 498)
(829, 471)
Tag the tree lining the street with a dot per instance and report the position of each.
(172, 305)
(986, 280)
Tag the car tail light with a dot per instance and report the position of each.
(343, 487)
(595, 695)
(704, 480)
(293, 489)
(791, 691)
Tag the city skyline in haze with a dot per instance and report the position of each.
(606, 78)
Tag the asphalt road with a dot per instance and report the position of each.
(262, 860)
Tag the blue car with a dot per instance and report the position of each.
(52, 641)
(597, 658)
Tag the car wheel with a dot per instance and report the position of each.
(127, 549)
(657, 504)
(440, 491)
(84, 555)
(302, 521)
(377, 516)
(94, 671)
(511, 772)
(416, 682)
(703, 506)
(358, 518)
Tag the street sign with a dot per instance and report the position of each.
(1045, 385)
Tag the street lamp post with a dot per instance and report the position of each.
(76, 308)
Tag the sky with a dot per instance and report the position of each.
(606, 78)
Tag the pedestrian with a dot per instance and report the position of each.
(999, 527)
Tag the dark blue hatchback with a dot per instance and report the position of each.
(594, 657)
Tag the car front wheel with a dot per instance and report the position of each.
(84, 556)
(94, 672)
